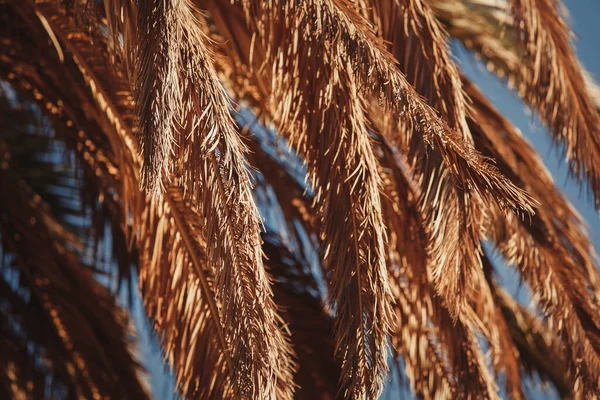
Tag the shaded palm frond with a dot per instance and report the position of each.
(535, 343)
(310, 325)
(72, 123)
(77, 310)
(486, 29)
(505, 355)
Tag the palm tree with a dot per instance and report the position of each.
(301, 189)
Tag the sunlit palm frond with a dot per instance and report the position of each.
(114, 122)
(176, 84)
(418, 43)
(536, 242)
(529, 43)
(379, 171)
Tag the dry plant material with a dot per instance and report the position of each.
(406, 168)
(419, 44)
(569, 269)
(183, 104)
(551, 78)
(437, 347)
(553, 83)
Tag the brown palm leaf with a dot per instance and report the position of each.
(378, 170)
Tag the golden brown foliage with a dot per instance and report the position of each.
(388, 170)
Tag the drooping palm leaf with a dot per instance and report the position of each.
(529, 43)
(396, 199)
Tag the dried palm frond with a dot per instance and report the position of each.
(549, 271)
(505, 355)
(441, 354)
(418, 43)
(176, 84)
(98, 170)
(554, 85)
(499, 139)
(535, 343)
(546, 252)
(310, 325)
(335, 142)
(111, 119)
(287, 103)
(378, 209)
(532, 48)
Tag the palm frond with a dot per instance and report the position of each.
(505, 355)
(418, 43)
(380, 171)
(535, 342)
(545, 251)
(336, 144)
(555, 86)
(499, 139)
(442, 356)
(114, 116)
(76, 309)
(550, 79)
(176, 83)
(310, 325)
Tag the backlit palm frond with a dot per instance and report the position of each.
(552, 257)
(113, 120)
(418, 43)
(550, 79)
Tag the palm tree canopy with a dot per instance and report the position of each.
(301, 189)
